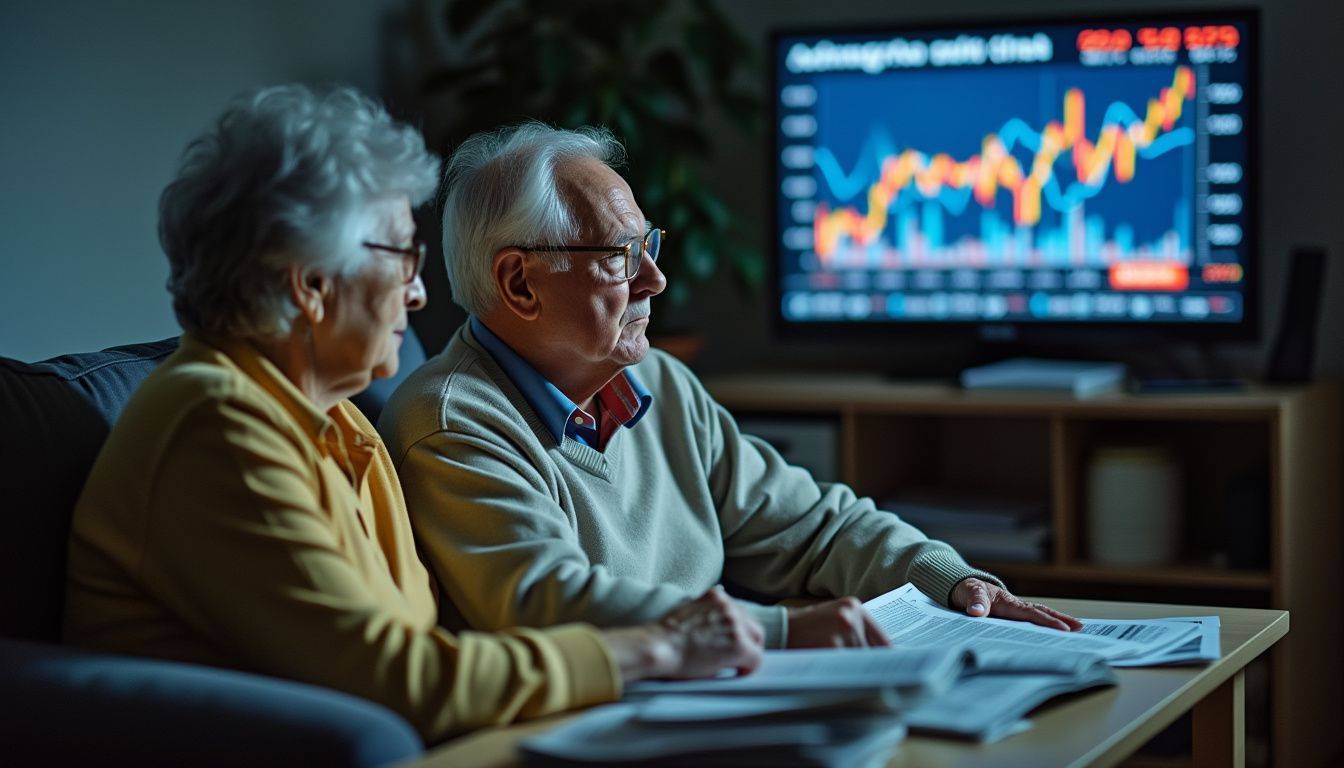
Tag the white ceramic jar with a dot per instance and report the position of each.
(1134, 499)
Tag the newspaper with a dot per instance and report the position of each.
(911, 619)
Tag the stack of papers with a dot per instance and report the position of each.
(1021, 666)
(812, 707)
(898, 676)
(946, 674)
(679, 733)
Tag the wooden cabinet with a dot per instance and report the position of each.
(1261, 502)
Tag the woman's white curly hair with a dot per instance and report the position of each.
(277, 181)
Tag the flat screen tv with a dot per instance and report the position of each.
(1082, 174)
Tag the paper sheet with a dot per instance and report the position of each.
(1203, 645)
(910, 618)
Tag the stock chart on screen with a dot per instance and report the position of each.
(1050, 173)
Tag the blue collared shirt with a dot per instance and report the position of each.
(557, 412)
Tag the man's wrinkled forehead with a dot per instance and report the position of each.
(600, 199)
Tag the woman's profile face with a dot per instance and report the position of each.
(366, 313)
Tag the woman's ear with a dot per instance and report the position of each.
(309, 289)
(513, 281)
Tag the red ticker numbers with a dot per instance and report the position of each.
(1223, 36)
(1159, 38)
(1117, 40)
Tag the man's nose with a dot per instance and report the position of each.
(649, 280)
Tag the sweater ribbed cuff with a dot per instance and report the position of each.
(592, 671)
(774, 620)
(938, 570)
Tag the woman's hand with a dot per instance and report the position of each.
(699, 639)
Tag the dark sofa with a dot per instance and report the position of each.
(60, 705)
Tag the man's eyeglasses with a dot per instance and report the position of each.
(412, 258)
(632, 253)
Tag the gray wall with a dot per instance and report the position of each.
(99, 99)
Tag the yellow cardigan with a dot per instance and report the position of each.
(229, 522)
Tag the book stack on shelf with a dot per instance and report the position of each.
(981, 526)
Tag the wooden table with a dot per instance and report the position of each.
(1099, 728)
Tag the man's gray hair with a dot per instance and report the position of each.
(502, 191)
(280, 180)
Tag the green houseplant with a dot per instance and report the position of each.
(662, 75)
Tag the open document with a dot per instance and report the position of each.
(910, 618)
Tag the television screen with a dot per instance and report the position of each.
(1082, 172)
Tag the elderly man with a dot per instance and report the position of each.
(557, 469)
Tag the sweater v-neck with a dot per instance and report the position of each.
(596, 463)
(592, 461)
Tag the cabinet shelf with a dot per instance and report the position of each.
(1261, 490)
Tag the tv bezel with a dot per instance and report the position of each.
(1045, 332)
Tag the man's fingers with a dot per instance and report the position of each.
(978, 603)
(1046, 616)
(873, 633)
(1073, 624)
(848, 618)
(856, 619)
(750, 659)
(756, 631)
(1024, 611)
(1044, 619)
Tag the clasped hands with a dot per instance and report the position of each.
(844, 623)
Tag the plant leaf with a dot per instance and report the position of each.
(748, 267)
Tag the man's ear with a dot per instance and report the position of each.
(514, 284)
(309, 289)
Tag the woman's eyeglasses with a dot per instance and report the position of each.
(412, 258)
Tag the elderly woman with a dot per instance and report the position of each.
(244, 514)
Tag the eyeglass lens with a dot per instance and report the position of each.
(653, 243)
(413, 261)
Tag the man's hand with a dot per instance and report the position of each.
(702, 637)
(839, 623)
(979, 598)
